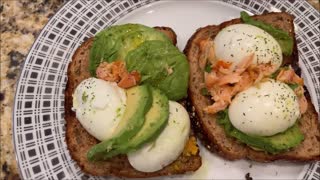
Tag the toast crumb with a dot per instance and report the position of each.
(248, 177)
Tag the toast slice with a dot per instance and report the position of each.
(213, 135)
(79, 141)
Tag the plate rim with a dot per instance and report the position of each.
(62, 6)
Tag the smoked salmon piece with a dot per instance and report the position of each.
(224, 82)
(116, 72)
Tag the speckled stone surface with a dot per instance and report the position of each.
(21, 22)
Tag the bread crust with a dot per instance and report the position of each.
(212, 135)
(79, 141)
(168, 32)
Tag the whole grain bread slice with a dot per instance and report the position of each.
(213, 135)
(79, 141)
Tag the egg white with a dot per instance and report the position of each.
(168, 145)
(235, 42)
(264, 110)
(99, 106)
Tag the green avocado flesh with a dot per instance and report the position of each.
(273, 144)
(115, 42)
(155, 121)
(139, 101)
(161, 65)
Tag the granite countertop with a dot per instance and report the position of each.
(21, 22)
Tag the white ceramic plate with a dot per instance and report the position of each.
(39, 103)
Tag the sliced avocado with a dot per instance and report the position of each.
(272, 144)
(115, 42)
(161, 65)
(139, 101)
(155, 121)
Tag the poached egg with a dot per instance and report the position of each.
(167, 147)
(235, 42)
(269, 108)
(99, 106)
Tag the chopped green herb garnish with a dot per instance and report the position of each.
(293, 86)
(204, 92)
(84, 96)
(275, 74)
(208, 67)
